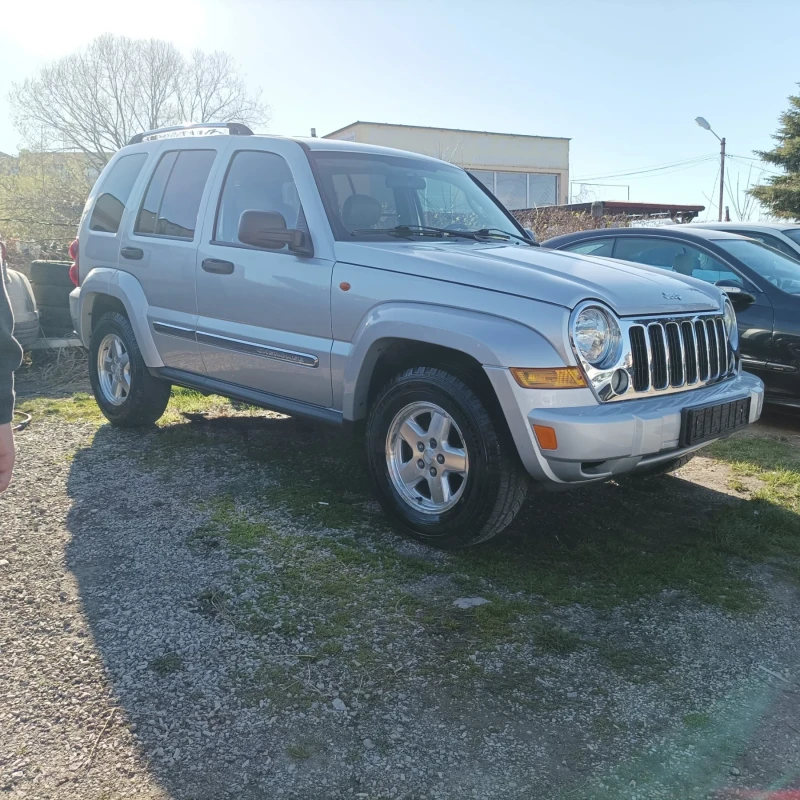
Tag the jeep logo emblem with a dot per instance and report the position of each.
(667, 296)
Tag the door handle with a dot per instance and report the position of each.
(217, 266)
(132, 253)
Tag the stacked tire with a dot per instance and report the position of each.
(51, 287)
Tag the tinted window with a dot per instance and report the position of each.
(256, 182)
(595, 248)
(172, 201)
(771, 241)
(110, 205)
(779, 270)
(675, 256)
(793, 234)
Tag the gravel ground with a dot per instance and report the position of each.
(182, 616)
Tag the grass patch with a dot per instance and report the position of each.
(80, 407)
(166, 664)
(299, 752)
(696, 721)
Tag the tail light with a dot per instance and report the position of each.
(74, 274)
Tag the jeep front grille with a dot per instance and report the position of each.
(667, 354)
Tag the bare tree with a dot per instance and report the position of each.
(94, 100)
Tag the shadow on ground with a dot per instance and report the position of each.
(148, 593)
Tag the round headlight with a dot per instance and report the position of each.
(596, 335)
(731, 328)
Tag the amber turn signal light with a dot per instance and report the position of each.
(546, 437)
(549, 378)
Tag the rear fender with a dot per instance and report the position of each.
(125, 288)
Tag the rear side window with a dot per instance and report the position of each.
(172, 200)
(596, 248)
(110, 205)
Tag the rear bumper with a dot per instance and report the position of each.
(597, 441)
(73, 310)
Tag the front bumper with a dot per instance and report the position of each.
(597, 441)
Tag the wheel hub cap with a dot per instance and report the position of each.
(113, 370)
(426, 457)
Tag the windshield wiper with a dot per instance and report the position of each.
(420, 230)
(499, 233)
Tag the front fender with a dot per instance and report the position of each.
(490, 340)
(125, 288)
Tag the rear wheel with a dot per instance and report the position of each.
(443, 468)
(128, 395)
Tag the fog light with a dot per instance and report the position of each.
(546, 437)
(619, 381)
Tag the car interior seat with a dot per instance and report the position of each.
(360, 211)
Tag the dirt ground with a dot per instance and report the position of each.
(216, 608)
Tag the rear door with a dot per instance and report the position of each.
(265, 315)
(159, 246)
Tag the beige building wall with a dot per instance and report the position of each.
(473, 150)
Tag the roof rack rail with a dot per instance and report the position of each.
(199, 129)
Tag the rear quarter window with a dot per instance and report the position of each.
(116, 189)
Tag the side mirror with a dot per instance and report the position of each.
(267, 230)
(740, 298)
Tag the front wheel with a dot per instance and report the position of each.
(128, 395)
(442, 466)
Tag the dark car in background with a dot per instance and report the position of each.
(763, 283)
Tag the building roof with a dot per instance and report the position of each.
(437, 128)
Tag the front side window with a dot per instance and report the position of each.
(110, 205)
(172, 201)
(373, 197)
(675, 256)
(595, 248)
(256, 181)
(771, 265)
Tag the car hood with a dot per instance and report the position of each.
(551, 276)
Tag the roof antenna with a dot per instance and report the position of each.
(313, 133)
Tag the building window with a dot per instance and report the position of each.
(518, 190)
(512, 190)
(542, 190)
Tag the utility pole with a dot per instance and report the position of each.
(704, 124)
(721, 174)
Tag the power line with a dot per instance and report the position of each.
(642, 170)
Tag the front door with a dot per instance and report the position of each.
(264, 315)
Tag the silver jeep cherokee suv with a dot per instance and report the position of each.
(389, 291)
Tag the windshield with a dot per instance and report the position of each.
(793, 234)
(778, 269)
(373, 197)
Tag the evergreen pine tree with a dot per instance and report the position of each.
(781, 193)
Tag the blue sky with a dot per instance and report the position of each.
(624, 80)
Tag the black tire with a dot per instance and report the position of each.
(665, 468)
(148, 396)
(51, 273)
(496, 485)
(55, 296)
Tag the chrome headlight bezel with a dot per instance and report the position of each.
(731, 324)
(612, 336)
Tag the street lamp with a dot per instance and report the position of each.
(703, 123)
